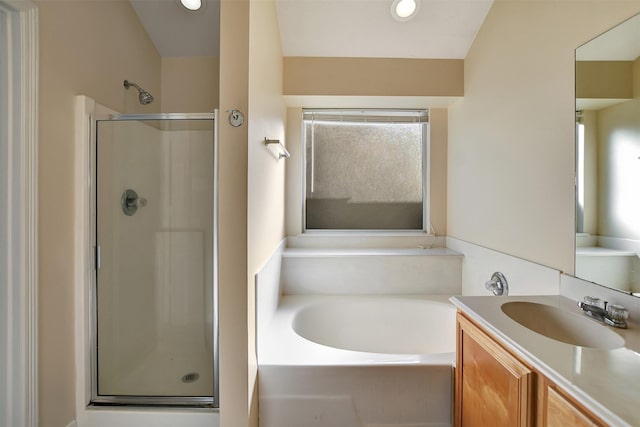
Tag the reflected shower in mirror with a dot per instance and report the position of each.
(608, 158)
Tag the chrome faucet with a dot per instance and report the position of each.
(609, 314)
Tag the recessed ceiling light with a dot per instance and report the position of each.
(403, 10)
(191, 4)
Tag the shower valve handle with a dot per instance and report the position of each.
(130, 202)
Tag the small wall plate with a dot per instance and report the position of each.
(236, 118)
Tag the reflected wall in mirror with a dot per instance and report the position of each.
(608, 158)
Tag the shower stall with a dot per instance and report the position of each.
(154, 273)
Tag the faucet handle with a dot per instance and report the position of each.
(498, 284)
(617, 312)
(595, 301)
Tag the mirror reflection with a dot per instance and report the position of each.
(608, 158)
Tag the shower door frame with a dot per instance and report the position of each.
(93, 256)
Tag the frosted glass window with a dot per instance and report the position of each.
(364, 170)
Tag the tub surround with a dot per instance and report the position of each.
(604, 381)
(323, 271)
(303, 382)
(268, 290)
(355, 396)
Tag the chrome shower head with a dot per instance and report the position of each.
(144, 96)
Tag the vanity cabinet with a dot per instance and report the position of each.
(559, 410)
(494, 387)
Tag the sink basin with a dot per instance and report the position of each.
(561, 325)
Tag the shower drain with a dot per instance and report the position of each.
(190, 377)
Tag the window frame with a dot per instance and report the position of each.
(388, 114)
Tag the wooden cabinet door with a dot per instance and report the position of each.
(561, 412)
(493, 388)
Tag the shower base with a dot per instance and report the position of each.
(163, 374)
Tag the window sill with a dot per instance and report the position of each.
(366, 239)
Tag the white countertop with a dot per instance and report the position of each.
(605, 381)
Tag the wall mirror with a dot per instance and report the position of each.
(608, 158)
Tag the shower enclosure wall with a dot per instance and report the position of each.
(154, 302)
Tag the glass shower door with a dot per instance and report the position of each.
(154, 293)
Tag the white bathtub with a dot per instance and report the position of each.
(357, 361)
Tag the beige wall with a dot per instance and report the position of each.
(293, 184)
(232, 220)
(438, 129)
(511, 139)
(373, 76)
(81, 52)
(266, 173)
(190, 84)
(251, 191)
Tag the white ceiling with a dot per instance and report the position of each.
(334, 28)
(365, 28)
